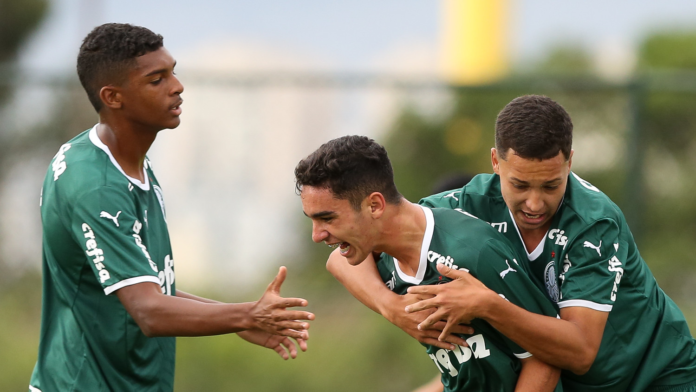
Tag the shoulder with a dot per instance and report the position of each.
(585, 204)
(481, 188)
(468, 237)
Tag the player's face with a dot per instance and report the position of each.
(532, 189)
(336, 223)
(151, 96)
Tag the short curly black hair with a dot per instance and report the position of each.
(351, 167)
(109, 52)
(535, 127)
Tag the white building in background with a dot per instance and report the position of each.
(228, 169)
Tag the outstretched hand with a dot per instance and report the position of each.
(283, 345)
(269, 312)
(458, 301)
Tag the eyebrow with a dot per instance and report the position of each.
(527, 183)
(161, 70)
(321, 214)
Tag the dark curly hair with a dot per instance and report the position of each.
(352, 167)
(109, 52)
(535, 127)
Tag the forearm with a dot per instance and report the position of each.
(537, 376)
(555, 341)
(364, 283)
(183, 294)
(182, 316)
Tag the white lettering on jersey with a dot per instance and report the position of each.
(145, 218)
(558, 235)
(502, 227)
(392, 282)
(441, 259)
(615, 266)
(585, 183)
(166, 277)
(137, 226)
(59, 164)
(588, 244)
(160, 198)
(477, 349)
(508, 270)
(93, 250)
(452, 195)
(106, 215)
(130, 187)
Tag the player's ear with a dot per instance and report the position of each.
(570, 159)
(376, 204)
(494, 161)
(111, 97)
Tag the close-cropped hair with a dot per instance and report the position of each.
(351, 167)
(109, 52)
(535, 127)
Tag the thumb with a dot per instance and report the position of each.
(278, 281)
(449, 272)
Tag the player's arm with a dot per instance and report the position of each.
(161, 315)
(364, 283)
(280, 344)
(435, 385)
(566, 343)
(537, 376)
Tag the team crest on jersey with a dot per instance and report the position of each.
(550, 281)
(160, 198)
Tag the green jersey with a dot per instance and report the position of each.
(589, 259)
(491, 362)
(102, 231)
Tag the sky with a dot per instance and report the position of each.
(348, 35)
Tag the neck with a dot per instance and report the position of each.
(403, 234)
(532, 238)
(128, 144)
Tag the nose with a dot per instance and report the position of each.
(534, 202)
(178, 88)
(318, 233)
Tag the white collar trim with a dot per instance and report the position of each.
(425, 247)
(94, 138)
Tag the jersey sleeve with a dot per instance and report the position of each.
(591, 271)
(501, 272)
(105, 223)
(447, 199)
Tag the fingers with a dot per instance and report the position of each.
(458, 328)
(421, 305)
(431, 320)
(451, 273)
(303, 343)
(278, 281)
(447, 330)
(428, 291)
(290, 302)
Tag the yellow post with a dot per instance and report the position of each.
(474, 40)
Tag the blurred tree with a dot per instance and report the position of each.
(18, 19)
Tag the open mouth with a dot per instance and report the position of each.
(344, 247)
(176, 108)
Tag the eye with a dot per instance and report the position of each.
(519, 186)
(551, 187)
(156, 81)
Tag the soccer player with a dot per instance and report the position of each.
(618, 330)
(110, 304)
(347, 189)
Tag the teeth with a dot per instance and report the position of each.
(532, 216)
(332, 246)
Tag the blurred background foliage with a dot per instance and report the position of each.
(635, 140)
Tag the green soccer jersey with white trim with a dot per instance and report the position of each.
(491, 362)
(589, 259)
(102, 231)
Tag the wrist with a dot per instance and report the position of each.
(489, 305)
